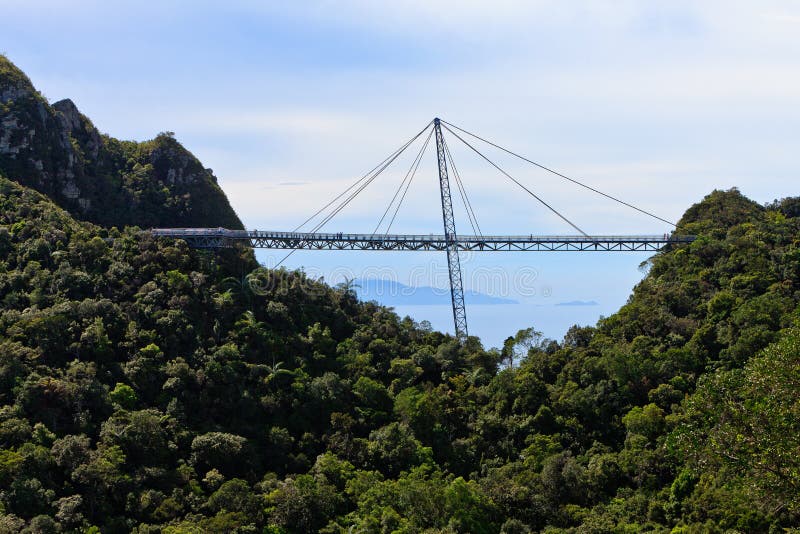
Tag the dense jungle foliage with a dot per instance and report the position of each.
(146, 387)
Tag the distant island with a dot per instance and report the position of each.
(391, 293)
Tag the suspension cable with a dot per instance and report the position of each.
(449, 158)
(468, 202)
(405, 178)
(395, 153)
(370, 177)
(473, 219)
(366, 183)
(559, 174)
(353, 195)
(534, 195)
(408, 185)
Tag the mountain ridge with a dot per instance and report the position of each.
(56, 150)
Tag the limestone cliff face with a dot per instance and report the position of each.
(57, 150)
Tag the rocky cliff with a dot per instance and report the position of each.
(56, 150)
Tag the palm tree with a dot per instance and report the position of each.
(223, 299)
(276, 369)
(258, 282)
(347, 290)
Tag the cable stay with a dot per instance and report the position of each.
(590, 188)
(363, 186)
(391, 157)
(411, 171)
(473, 219)
(408, 185)
(534, 195)
(364, 181)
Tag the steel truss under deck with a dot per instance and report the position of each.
(222, 238)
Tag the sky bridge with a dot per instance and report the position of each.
(222, 238)
(450, 242)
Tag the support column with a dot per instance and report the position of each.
(453, 261)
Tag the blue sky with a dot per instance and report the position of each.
(656, 102)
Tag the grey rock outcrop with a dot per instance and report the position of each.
(56, 150)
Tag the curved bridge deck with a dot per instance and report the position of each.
(222, 238)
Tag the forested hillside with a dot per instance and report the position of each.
(148, 387)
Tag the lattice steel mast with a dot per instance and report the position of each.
(453, 261)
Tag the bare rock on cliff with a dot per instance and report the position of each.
(58, 151)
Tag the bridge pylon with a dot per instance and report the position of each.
(451, 239)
